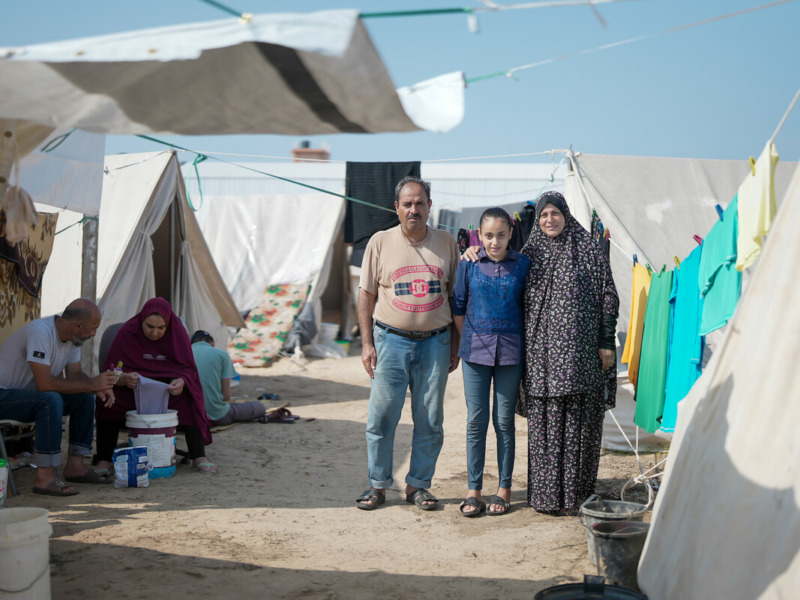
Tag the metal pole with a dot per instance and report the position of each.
(89, 285)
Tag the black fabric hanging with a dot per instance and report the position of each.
(372, 182)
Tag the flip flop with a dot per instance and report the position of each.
(279, 415)
(207, 467)
(92, 476)
(373, 496)
(499, 502)
(419, 496)
(472, 501)
(56, 488)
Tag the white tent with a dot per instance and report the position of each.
(726, 523)
(148, 244)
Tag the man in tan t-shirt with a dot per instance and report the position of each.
(407, 279)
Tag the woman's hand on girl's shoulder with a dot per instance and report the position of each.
(471, 254)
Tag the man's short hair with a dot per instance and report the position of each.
(77, 314)
(202, 336)
(426, 185)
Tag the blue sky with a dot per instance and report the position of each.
(714, 91)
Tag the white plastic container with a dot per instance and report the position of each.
(157, 433)
(25, 553)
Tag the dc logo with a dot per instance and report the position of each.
(419, 288)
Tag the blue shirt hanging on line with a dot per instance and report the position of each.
(720, 282)
(686, 343)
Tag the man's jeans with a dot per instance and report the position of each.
(477, 382)
(47, 410)
(422, 366)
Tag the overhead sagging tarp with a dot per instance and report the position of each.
(726, 522)
(66, 171)
(292, 74)
(143, 199)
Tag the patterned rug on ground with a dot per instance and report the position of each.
(268, 324)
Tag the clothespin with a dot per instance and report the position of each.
(719, 211)
(697, 239)
(517, 217)
(635, 260)
(594, 213)
(470, 227)
(649, 268)
(663, 268)
(677, 261)
(753, 166)
(608, 234)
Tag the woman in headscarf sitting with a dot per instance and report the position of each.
(571, 308)
(155, 344)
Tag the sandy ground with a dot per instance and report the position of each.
(279, 520)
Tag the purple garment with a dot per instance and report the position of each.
(487, 348)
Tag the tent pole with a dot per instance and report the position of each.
(89, 285)
(172, 254)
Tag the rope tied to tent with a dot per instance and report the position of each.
(197, 160)
(83, 220)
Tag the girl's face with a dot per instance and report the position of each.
(154, 327)
(551, 221)
(495, 235)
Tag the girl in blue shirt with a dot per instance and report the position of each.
(487, 310)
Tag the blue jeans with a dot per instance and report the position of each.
(477, 381)
(47, 409)
(422, 366)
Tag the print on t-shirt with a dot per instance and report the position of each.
(411, 283)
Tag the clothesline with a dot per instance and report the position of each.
(510, 72)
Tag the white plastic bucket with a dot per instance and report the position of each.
(25, 553)
(328, 333)
(157, 433)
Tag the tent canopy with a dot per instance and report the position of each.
(148, 244)
(315, 73)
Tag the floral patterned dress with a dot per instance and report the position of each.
(568, 290)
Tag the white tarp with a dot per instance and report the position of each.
(726, 522)
(66, 171)
(258, 241)
(138, 192)
(291, 74)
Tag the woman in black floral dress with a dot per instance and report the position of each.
(571, 308)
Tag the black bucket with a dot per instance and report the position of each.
(619, 545)
(595, 511)
(592, 588)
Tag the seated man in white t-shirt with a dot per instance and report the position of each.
(41, 380)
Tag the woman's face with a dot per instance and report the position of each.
(154, 327)
(551, 221)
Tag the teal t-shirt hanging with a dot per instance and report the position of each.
(686, 344)
(655, 346)
(719, 280)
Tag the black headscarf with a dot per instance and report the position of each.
(568, 290)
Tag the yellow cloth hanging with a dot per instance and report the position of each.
(633, 343)
(756, 207)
